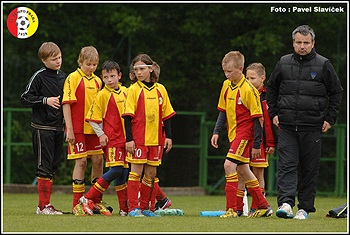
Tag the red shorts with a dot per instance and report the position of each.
(115, 156)
(261, 161)
(149, 155)
(85, 145)
(240, 150)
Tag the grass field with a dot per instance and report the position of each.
(18, 216)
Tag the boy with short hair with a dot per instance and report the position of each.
(43, 94)
(104, 116)
(239, 102)
(80, 88)
(256, 75)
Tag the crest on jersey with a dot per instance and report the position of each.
(313, 75)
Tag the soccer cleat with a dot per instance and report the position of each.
(109, 207)
(230, 213)
(102, 209)
(48, 210)
(105, 204)
(261, 213)
(123, 213)
(88, 205)
(163, 204)
(239, 213)
(301, 215)
(251, 212)
(285, 211)
(169, 212)
(78, 210)
(149, 213)
(136, 213)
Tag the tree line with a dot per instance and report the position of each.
(187, 40)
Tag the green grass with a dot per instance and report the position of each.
(18, 216)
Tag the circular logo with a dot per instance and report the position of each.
(22, 22)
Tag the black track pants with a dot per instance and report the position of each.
(298, 149)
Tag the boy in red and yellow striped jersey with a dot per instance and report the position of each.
(239, 102)
(105, 118)
(80, 88)
(256, 75)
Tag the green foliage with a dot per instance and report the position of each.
(188, 40)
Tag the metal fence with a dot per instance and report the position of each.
(339, 159)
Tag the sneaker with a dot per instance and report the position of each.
(149, 213)
(136, 213)
(269, 212)
(230, 213)
(48, 210)
(78, 210)
(285, 211)
(261, 213)
(88, 205)
(102, 209)
(123, 213)
(163, 204)
(301, 214)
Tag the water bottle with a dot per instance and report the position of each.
(212, 213)
(245, 201)
(169, 211)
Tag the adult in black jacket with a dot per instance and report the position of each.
(44, 94)
(304, 95)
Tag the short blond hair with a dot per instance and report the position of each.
(88, 53)
(48, 49)
(258, 68)
(236, 57)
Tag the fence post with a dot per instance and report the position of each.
(8, 146)
(341, 159)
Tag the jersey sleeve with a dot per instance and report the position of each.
(222, 100)
(167, 108)
(69, 90)
(252, 100)
(130, 103)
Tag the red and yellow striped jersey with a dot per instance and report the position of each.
(79, 91)
(241, 102)
(148, 107)
(107, 109)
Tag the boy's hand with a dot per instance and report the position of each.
(168, 144)
(54, 102)
(214, 140)
(256, 153)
